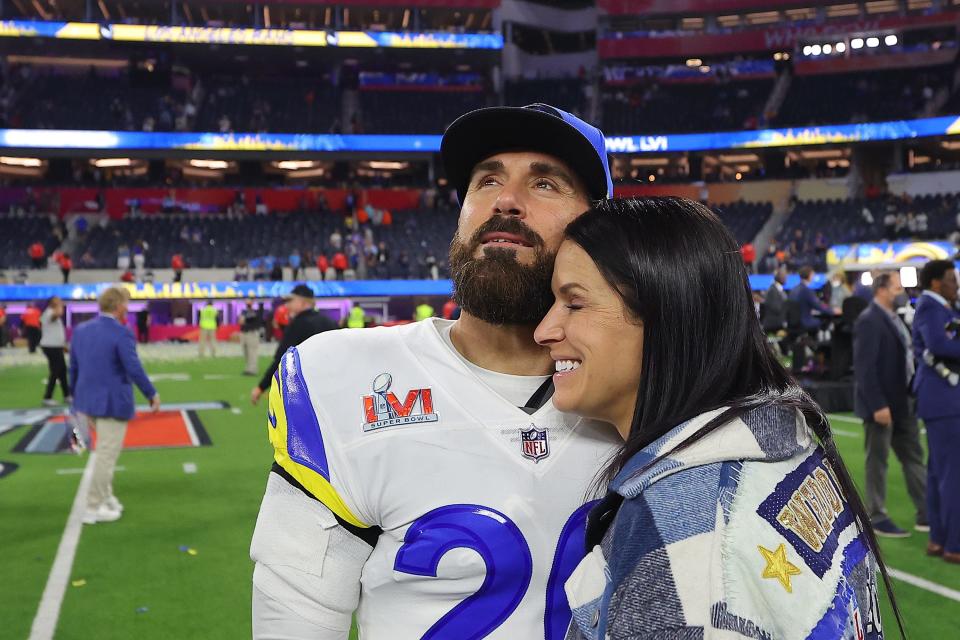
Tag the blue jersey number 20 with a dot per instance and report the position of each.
(508, 562)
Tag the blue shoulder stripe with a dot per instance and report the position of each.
(304, 440)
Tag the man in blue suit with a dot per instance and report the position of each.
(103, 363)
(808, 302)
(938, 403)
(883, 370)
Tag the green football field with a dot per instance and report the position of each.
(136, 578)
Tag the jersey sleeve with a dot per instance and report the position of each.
(307, 445)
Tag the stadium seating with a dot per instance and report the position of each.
(890, 94)
(744, 219)
(678, 108)
(19, 232)
(218, 240)
(862, 220)
(565, 93)
(415, 111)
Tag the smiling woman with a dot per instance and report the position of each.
(728, 501)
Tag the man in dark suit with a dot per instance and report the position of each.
(103, 364)
(938, 403)
(775, 304)
(883, 369)
(808, 302)
(306, 322)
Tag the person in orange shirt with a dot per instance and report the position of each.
(340, 264)
(281, 319)
(322, 265)
(38, 255)
(66, 264)
(177, 264)
(31, 326)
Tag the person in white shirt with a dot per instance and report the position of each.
(422, 476)
(53, 343)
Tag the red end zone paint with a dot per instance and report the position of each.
(150, 430)
(147, 430)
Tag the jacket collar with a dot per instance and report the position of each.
(768, 433)
(936, 296)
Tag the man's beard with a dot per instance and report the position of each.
(496, 287)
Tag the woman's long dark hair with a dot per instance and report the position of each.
(679, 270)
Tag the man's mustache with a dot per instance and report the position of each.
(501, 224)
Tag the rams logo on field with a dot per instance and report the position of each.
(384, 409)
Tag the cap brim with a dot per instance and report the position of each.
(477, 135)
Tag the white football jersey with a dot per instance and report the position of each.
(481, 504)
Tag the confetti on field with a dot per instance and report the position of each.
(143, 609)
(184, 548)
(189, 467)
(79, 583)
(236, 411)
(192, 552)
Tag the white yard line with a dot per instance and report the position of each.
(925, 584)
(45, 622)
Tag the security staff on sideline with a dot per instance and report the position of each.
(423, 311)
(306, 321)
(208, 328)
(938, 403)
(356, 319)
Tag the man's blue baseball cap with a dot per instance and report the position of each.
(475, 136)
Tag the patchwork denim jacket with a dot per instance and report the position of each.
(745, 534)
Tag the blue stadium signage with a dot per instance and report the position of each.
(269, 290)
(244, 36)
(241, 142)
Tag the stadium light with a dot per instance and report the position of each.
(21, 162)
(210, 164)
(705, 69)
(873, 41)
(109, 163)
(386, 165)
(840, 47)
(294, 165)
(807, 50)
(694, 62)
(890, 40)
(908, 276)
(856, 43)
(827, 48)
(816, 49)
(866, 279)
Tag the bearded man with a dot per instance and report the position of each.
(427, 483)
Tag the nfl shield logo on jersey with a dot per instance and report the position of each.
(534, 444)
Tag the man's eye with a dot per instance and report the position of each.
(487, 181)
(544, 183)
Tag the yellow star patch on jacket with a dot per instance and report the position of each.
(778, 566)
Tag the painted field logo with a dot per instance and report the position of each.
(534, 444)
(384, 409)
